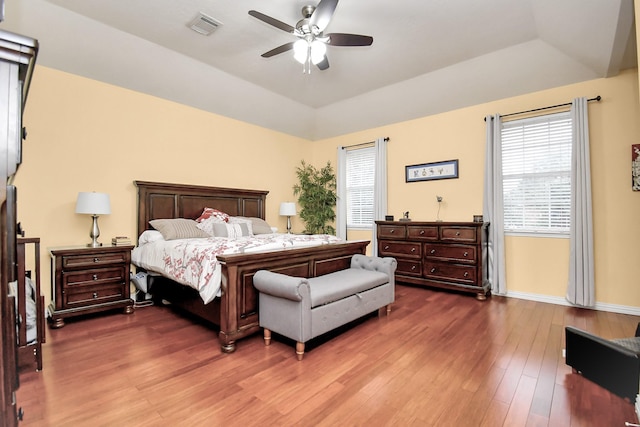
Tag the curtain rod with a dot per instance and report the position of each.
(386, 138)
(597, 98)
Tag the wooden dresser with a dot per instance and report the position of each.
(448, 255)
(88, 280)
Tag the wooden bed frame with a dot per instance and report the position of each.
(235, 312)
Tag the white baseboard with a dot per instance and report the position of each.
(614, 308)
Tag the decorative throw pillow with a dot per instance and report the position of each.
(259, 225)
(149, 236)
(178, 228)
(242, 220)
(232, 231)
(212, 213)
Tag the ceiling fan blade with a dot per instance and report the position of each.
(324, 64)
(272, 21)
(280, 49)
(323, 14)
(341, 39)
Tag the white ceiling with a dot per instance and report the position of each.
(428, 56)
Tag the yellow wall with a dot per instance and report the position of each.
(534, 266)
(85, 135)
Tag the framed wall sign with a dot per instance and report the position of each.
(431, 171)
(635, 167)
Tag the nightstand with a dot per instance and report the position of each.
(89, 280)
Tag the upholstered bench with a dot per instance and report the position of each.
(302, 309)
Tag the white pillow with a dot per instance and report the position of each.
(149, 236)
(242, 220)
(232, 231)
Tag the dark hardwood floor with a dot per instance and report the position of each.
(439, 359)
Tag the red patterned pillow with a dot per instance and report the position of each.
(215, 213)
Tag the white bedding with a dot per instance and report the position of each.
(193, 262)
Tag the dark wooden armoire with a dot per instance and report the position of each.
(17, 59)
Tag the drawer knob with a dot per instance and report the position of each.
(466, 254)
(96, 259)
(413, 268)
(433, 270)
(421, 232)
(433, 251)
(95, 277)
(466, 274)
(392, 230)
(95, 295)
(386, 248)
(457, 233)
(413, 250)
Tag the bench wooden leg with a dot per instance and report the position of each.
(382, 311)
(267, 336)
(300, 350)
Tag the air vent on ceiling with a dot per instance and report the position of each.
(204, 24)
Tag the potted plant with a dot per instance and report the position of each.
(316, 191)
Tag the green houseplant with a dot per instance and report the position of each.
(316, 191)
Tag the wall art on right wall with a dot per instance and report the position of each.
(635, 167)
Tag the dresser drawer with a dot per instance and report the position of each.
(94, 276)
(452, 272)
(400, 249)
(392, 231)
(409, 267)
(92, 295)
(458, 234)
(94, 260)
(455, 253)
(425, 232)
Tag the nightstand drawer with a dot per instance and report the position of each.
(91, 295)
(93, 277)
(84, 261)
(456, 253)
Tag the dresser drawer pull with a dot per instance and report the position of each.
(433, 270)
(95, 295)
(95, 277)
(466, 274)
(96, 259)
(466, 254)
(421, 232)
(413, 268)
(413, 250)
(386, 248)
(457, 233)
(392, 230)
(433, 251)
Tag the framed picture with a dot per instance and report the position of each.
(635, 167)
(431, 171)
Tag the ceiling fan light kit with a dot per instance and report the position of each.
(311, 46)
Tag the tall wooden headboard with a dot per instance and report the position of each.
(158, 200)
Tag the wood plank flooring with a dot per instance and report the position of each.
(439, 359)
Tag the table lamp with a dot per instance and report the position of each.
(288, 209)
(94, 204)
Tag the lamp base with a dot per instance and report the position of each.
(94, 245)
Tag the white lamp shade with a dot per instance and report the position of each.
(318, 50)
(93, 203)
(300, 51)
(287, 209)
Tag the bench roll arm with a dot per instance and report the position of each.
(281, 285)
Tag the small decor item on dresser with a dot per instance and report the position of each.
(388, 217)
(121, 241)
(478, 218)
(405, 216)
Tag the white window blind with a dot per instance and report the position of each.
(536, 169)
(360, 182)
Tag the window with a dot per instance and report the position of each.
(360, 178)
(536, 173)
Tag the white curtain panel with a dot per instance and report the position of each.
(341, 192)
(493, 206)
(379, 190)
(581, 286)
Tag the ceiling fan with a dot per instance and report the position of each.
(311, 46)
